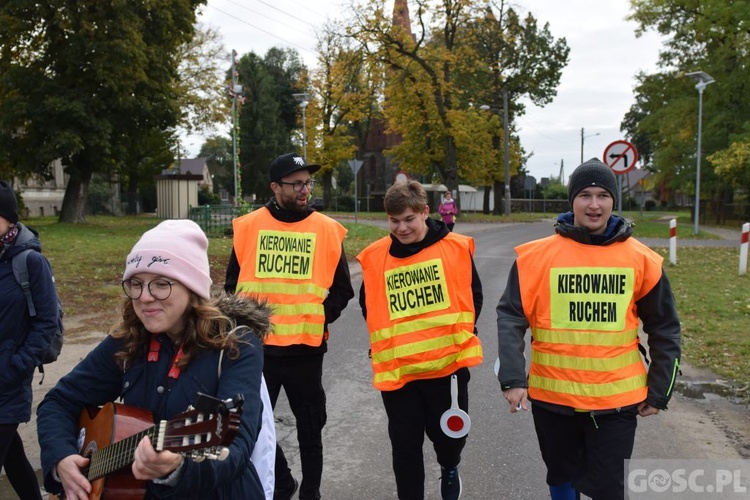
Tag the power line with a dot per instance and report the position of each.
(262, 30)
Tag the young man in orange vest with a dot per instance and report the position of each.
(423, 298)
(582, 292)
(294, 258)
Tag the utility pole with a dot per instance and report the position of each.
(507, 152)
(234, 126)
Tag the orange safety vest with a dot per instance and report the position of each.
(580, 303)
(291, 265)
(420, 315)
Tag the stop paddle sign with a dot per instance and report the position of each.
(455, 422)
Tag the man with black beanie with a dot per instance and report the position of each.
(583, 292)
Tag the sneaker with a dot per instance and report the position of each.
(450, 484)
(286, 493)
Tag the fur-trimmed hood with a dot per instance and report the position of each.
(245, 311)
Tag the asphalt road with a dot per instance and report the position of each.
(501, 459)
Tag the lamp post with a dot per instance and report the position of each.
(303, 100)
(506, 140)
(584, 137)
(703, 80)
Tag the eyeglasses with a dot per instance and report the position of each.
(298, 185)
(160, 288)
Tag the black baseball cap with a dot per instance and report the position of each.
(287, 164)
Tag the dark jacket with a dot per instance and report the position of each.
(23, 340)
(339, 294)
(656, 311)
(97, 379)
(436, 231)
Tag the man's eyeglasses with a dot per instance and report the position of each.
(160, 288)
(298, 185)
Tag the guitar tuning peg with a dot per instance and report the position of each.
(199, 459)
(223, 454)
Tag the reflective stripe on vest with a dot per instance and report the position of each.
(584, 320)
(291, 266)
(420, 318)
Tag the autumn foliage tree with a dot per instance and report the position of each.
(711, 36)
(462, 52)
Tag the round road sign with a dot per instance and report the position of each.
(620, 156)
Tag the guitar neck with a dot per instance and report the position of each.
(117, 455)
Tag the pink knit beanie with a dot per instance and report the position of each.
(175, 249)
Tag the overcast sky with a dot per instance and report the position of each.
(595, 92)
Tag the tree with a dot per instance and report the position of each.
(84, 81)
(433, 76)
(522, 60)
(710, 36)
(199, 89)
(421, 93)
(269, 115)
(345, 88)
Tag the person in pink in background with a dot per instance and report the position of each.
(448, 210)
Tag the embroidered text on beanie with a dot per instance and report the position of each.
(8, 203)
(592, 172)
(175, 249)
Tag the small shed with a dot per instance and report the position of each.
(175, 194)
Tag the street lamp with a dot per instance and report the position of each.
(506, 134)
(585, 137)
(303, 100)
(703, 80)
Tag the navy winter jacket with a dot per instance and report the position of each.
(23, 340)
(98, 379)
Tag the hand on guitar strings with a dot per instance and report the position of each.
(74, 482)
(151, 464)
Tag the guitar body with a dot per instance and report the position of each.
(100, 427)
(108, 437)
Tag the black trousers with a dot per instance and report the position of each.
(590, 451)
(412, 411)
(301, 378)
(17, 467)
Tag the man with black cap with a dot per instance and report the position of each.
(23, 339)
(294, 258)
(582, 292)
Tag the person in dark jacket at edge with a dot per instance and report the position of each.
(582, 293)
(23, 339)
(294, 258)
(176, 339)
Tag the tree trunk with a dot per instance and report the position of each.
(499, 195)
(75, 201)
(133, 192)
(486, 201)
(451, 180)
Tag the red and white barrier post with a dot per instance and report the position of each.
(743, 247)
(673, 241)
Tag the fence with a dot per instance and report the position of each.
(216, 220)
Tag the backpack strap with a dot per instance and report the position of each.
(21, 272)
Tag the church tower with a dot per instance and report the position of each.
(379, 170)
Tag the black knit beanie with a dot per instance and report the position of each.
(8, 203)
(592, 173)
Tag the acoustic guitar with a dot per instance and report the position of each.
(109, 436)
